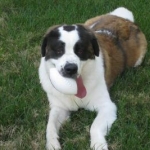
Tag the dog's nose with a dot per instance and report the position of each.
(70, 69)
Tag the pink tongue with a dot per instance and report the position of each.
(81, 93)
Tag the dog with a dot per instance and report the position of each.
(98, 50)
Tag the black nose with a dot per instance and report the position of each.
(70, 69)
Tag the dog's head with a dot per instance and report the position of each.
(67, 46)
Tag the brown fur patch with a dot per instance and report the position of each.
(121, 42)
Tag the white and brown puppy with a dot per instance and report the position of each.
(98, 51)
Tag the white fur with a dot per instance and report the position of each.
(97, 98)
(106, 32)
(124, 13)
(69, 38)
(139, 61)
(93, 25)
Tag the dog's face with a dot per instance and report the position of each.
(68, 46)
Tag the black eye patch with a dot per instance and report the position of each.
(55, 49)
(80, 50)
(59, 48)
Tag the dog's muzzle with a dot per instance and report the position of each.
(70, 70)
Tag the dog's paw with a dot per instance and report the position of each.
(99, 145)
(53, 144)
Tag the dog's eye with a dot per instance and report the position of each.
(79, 48)
(80, 51)
(59, 51)
(59, 48)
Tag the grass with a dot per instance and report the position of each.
(23, 104)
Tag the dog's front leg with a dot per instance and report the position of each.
(56, 117)
(101, 125)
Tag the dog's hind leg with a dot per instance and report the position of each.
(56, 118)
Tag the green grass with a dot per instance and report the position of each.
(23, 104)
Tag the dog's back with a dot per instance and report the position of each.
(121, 41)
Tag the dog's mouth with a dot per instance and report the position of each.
(81, 90)
(73, 76)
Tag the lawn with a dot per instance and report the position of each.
(23, 104)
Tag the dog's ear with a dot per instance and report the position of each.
(43, 47)
(94, 42)
(95, 45)
(45, 40)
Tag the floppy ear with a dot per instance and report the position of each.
(95, 46)
(43, 47)
(94, 42)
(45, 39)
